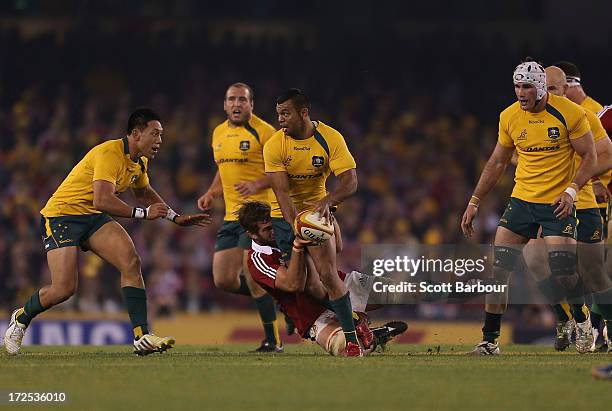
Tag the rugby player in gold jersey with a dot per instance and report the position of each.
(237, 145)
(546, 131)
(78, 215)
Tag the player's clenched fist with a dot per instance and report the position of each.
(157, 210)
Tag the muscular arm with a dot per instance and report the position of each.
(147, 196)
(292, 279)
(347, 187)
(493, 170)
(279, 181)
(215, 189)
(585, 148)
(106, 201)
(603, 148)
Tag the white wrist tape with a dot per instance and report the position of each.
(572, 192)
(139, 212)
(171, 215)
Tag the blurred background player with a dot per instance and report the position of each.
(546, 131)
(298, 159)
(578, 95)
(78, 216)
(237, 145)
(299, 290)
(591, 250)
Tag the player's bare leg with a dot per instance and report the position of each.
(324, 258)
(113, 244)
(267, 312)
(226, 268)
(507, 252)
(64, 278)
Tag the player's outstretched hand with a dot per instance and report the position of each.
(467, 222)
(201, 219)
(565, 206)
(157, 210)
(602, 194)
(205, 200)
(247, 188)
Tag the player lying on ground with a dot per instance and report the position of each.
(300, 292)
(78, 216)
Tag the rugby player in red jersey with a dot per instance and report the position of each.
(300, 292)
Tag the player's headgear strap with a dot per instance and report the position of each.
(532, 73)
(572, 80)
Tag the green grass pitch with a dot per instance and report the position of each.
(225, 377)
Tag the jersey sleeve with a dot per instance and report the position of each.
(107, 166)
(578, 125)
(503, 137)
(266, 133)
(143, 180)
(605, 117)
(263, 269)
(273, 159)
(341, 159)
(596, 126)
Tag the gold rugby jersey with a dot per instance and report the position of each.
(109, 161)
(238, 152)
(592, 105)
(546, 165)
(586, 197)
(308, 162)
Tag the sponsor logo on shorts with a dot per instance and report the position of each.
(65, 241)
(596, 235)
(569, 229)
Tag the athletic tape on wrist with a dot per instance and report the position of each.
(572, 192)
(139, 212)
(172, 215)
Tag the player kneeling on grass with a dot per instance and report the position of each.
(78, 216)
(300, 292)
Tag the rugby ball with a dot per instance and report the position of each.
(310, 226)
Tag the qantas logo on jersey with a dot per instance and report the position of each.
(305, 176)
(233, 160)
(537, 149)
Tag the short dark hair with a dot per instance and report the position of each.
(251, 213)
(242, 85)
(297, 97)
(570, 69)
(140, 118)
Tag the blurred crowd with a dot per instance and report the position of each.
(420, 134)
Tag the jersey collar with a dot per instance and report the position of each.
(266, 249)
